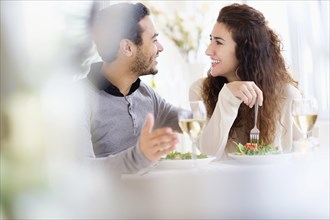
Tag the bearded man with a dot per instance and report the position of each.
(124, 123)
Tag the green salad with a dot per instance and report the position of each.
(255, 149)
(183, 156)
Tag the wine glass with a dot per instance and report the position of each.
(192, 123)
(304, 113)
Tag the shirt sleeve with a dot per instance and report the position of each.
(166, 114)
(214, 138)
(128, 161)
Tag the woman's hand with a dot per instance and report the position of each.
(154, 144)
(247, 91)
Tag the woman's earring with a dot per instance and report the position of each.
(236, 72)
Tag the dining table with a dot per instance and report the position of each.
(292, 187)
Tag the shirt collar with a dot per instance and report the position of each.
(99, 81)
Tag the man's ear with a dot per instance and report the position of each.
(126, 46)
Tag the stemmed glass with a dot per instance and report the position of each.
(192, 123)
(304, 112)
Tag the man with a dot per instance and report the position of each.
(121, 111)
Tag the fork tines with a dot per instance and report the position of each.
(255, 132)
(254, 137)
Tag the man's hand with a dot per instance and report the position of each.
(154, 144)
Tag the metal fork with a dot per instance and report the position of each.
(255, 133)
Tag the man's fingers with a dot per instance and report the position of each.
(164, 142)
(148, 124)
(165, 151)
(160, 132)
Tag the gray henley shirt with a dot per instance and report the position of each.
(110, 123)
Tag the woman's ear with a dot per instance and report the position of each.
(126, 47)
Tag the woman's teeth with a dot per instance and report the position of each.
(215, 62)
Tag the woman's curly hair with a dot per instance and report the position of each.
(258, 50)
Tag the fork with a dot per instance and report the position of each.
(254, 133)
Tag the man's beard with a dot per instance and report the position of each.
(142, 64)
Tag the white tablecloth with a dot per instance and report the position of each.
(297, 188)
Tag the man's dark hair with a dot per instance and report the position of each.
(117, 22)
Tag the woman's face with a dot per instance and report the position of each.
(221, 50)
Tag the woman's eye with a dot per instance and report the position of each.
(218, 43)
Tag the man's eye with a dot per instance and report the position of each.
(219, 43)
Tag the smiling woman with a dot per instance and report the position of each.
(305, 47)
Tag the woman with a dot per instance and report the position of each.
(246, 68)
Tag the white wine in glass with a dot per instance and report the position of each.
(304, 113)
(305, 123)
(192, 122)
(192, 127)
